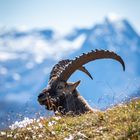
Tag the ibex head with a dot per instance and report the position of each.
(61, 95)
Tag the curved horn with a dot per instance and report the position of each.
(58, 68)
(85, 58)
(83, 69)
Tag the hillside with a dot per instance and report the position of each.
(119, 122)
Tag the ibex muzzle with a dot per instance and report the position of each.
(61, 95)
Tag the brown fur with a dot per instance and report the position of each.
(61, 96)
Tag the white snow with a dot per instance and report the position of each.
(4, 56)
(37, 48)
(113, 17)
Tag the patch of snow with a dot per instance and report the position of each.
(38, 48)
(4, 56)
(113, 17)
(23, 28)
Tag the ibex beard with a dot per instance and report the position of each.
(62, 96)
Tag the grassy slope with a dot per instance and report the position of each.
(120, 122)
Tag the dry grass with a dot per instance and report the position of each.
(120, 122)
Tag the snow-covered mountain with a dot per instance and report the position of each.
(26, 58)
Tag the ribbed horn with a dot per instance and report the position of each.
(70, 68)
(60, 66)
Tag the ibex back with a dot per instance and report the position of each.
(62, 96)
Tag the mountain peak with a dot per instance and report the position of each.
(115, 21)
(112, 17)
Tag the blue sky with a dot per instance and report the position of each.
(65, 14)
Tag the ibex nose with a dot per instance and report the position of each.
(42, 98)
(40, 95)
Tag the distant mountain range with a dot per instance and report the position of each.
(26, 58)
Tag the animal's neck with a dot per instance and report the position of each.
(76, 104)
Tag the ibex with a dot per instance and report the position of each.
(61, 96)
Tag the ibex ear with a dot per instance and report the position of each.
(72, 86)
(76, 83)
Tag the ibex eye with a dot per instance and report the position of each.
(60, 87)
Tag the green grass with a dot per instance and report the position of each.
(119, 123)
